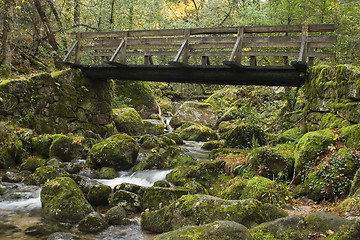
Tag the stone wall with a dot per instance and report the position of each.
(332, 97)
(62, 102)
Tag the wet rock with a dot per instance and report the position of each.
(63, 236)
(116, 215)
(130, 187)
(119, 151)
(72, 167)
(84, 183)
(43, 229)
(158, 197)
(212, 231)
(194, 111)
(89, 173)
(54, 162)
(98, 194)
(32, 163)
(66, 148)
(62, 200)
(153, 126)
(175, 136)
(245, 136)
(128, 120)
(131, 202)
(6, 229)
(11, 177)
(92, 223)
(202, 209)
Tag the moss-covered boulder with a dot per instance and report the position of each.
(99, 194)
(213, 144)
(151, 141)
(273, 162)
(292, 227)
(116, 215)
(210, 174)
(130, 187)
(351, 136)
(245, 136)
(331, 120)
(119, 151)
(310, 146)
(194, 111)
(131, 202)
(107, 173)
(154, 126)
(174, 136)
(324, 221)
(218, 230)
(94, 222)
(158, 197)
(202, 209)
(290, 135)
(62, 200)
(41, 145)
(66, 148)
(32, 163)
(198, 132)
(137, 95)
(128, 120)
(46, 173)
(333, 175)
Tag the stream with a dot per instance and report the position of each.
(20, 206)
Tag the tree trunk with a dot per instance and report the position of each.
(58, 23)
(5, 55)
(77, 13)
(48, 30)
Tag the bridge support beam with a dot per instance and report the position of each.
(225, 75)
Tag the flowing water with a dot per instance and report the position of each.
(20, 206)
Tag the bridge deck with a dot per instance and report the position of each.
(120, 54)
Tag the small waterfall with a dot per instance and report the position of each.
(142, 178)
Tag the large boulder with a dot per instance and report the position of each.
(198, 132)
(128, 120)
(158, 197)
(351, 136)
(119, 151)
(62, 200)
(203, 209)
(245, 136)
(194, 111)
(131, 202)
(136, 94)
(66, 148)
(213, 231)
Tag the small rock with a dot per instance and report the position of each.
(11, 177)
(92, 223)
(116, 215)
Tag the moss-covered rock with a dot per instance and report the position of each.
(198, 132)
(273, 162)
(212, 144)
(128, 120)
(32, 163)
(290, 135)
(162, 183)
(174, 136)
(245, 136)
(99, 194)
(351, 136)
(218, 230)
(235, 190)
(194, 111)
(119, 151)
(46, 173)
(150, 141)
(323, 221)
(153, 126)
(210, 174)
(62, 200)
(137, 95)
(333, 175)
(331, 120)
(41, 145)
(292, 227)
(65, 148)
(310, 146)
(116, 215)
(130, 187)
(131, 202)
(92, 223)
(158, 197)
(202, 209)
(107, 173)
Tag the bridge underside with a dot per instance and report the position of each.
(225, 75)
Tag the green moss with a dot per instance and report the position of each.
(65, 148)
(291, 135)
(119, 151)
(158, 197)
(351, 136)
(346, 233)
(98, 194)
(235, 190)
(62, 200)
(174, 136)
(330, 120)
(32, 163)
(128, 120)
(107, 173)
(210, 145)
(245, 136)
(198, 133)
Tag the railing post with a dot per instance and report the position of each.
(125, 35)
(186, 47)
(304, 43)
(236, 53)
(78, 48)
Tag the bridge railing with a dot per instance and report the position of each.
(237, 44)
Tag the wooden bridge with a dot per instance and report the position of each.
(225, 55)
